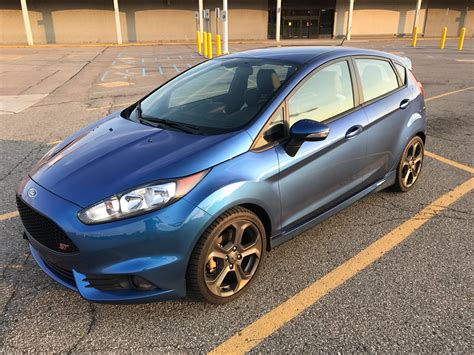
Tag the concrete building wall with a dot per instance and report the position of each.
(458, 16)
(11, 23)
(56, 21)
(378, 18)
(92, 21)
(396, 18)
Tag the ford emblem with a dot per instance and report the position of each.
(32, 192)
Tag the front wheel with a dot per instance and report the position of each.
(227, 257)
(410, 164)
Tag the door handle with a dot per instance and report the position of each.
(354, 131)
(404, 103)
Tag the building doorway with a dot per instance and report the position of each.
(302, 19)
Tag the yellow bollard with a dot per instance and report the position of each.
(209, 45)
(443, 37)
(218, 46)
(204, 41)
(461, 38)
(198, 42)
(415, 35)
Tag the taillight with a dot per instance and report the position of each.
(418, 84)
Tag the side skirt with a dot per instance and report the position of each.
(387, 181)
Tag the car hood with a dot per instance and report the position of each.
(115, 155)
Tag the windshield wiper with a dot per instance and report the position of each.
(156, 122)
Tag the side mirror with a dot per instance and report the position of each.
(305, 130)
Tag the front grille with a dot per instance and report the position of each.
(44, 230)
(63, 273)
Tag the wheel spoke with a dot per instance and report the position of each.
(241, 277)
(240, 227)
(406, 177)
(217, 252)
(416, 170)
(251, 251)
(215, 284)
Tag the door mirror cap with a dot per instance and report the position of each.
(305, 130)
(309, 130)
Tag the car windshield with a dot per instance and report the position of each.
(215, 97)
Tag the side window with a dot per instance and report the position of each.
(274, 130)
(402, 72)
(377, 77)
(325, 94)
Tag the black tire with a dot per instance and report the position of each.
(199, 273)
(409, 165)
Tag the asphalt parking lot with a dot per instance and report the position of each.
(377, 277)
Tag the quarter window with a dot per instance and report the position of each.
(274, 130)
(327, 93)
(402, 72)
(377, 77)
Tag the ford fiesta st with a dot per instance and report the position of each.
(184, 192)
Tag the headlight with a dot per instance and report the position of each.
(140, 200)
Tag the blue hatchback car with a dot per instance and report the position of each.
(184, 192)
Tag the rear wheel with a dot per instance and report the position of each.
(227, 257)
(410, 165)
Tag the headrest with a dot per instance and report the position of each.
(252, 96)
(372, 74)
(267, 81)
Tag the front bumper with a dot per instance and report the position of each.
(155, 246)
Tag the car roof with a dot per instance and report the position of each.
(304, 54)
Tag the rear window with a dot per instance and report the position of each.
(377, 77)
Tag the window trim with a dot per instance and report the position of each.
(260, 134)
(355, 91)
(359, 80)
(401, 82)
(284, 103)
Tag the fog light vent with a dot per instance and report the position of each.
(142, 284)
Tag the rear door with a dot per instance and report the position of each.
(385, 98)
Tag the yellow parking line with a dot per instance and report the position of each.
(448, 93)
(54, 142)
(8, 215)
(255, 333)
(450, 162)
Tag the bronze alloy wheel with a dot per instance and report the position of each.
(410, 164)
(227, 256)
(233, 258)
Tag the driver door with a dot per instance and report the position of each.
(323, 174)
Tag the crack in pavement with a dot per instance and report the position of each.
(5, 309)
(93, 315)
(39, 82)
(79, 71)
(27, 155)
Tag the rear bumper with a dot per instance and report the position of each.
(155, 246)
